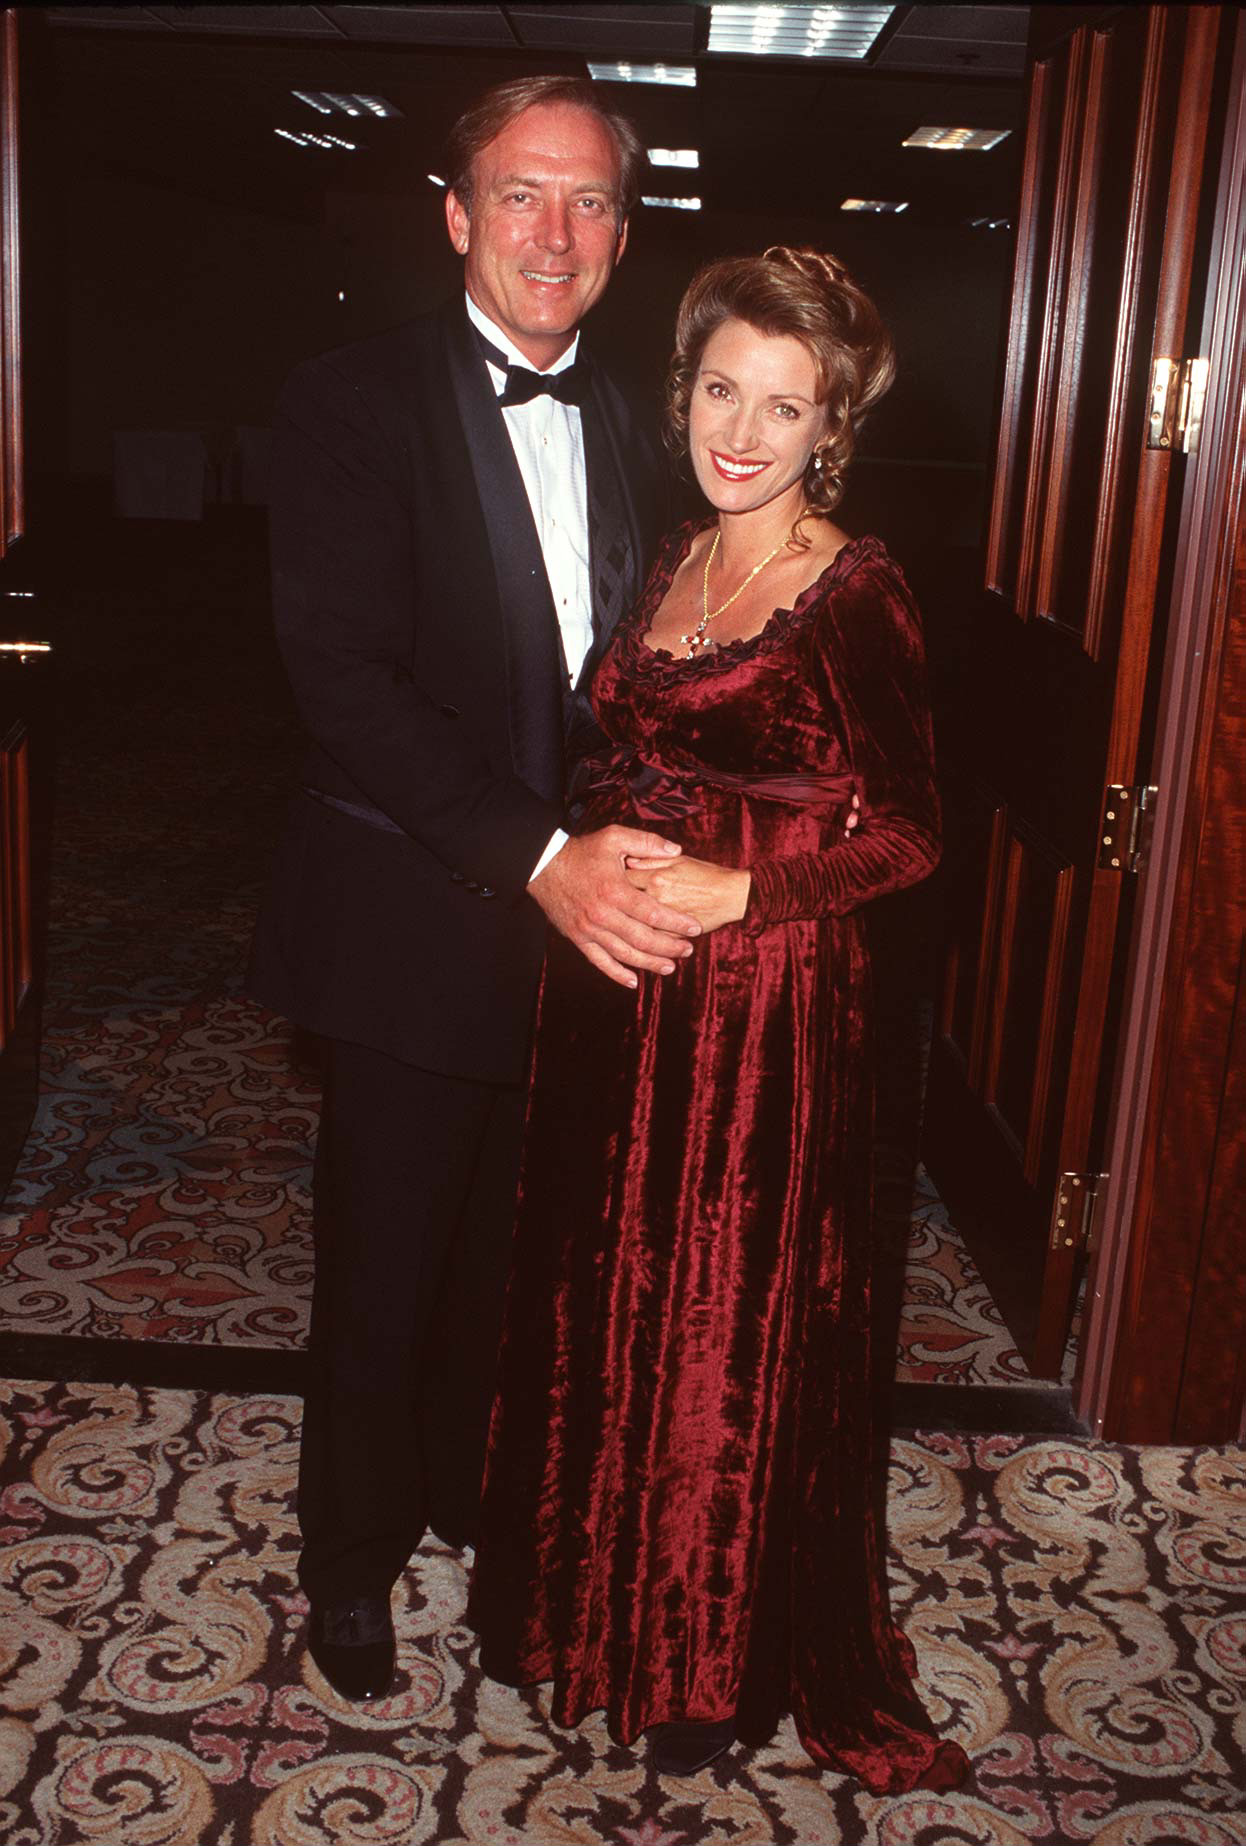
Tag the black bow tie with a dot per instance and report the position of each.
(523, 384)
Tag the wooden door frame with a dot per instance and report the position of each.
(12, 475)
(1167, 1098)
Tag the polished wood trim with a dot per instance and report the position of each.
(948, 990)
(996, 860)
(16, 938)
(1109, 511)
(8, 859)
(1172, 305)
(1074, 309)
(23, 966)
(1052, 331)
(1213, 1378)
(1053, 990)
(12, 464)
(1127, 1387)
(1025, 263)
(1189, 1241)
(1001, 985)
(1142, 575)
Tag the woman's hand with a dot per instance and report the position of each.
(713, 894)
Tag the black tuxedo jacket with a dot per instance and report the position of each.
(417, 627)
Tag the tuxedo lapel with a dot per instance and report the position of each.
(614, 541)
(533, 652)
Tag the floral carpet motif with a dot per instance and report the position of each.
(164, 1190)
(1078, 1612)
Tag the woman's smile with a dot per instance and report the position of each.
(732, 470)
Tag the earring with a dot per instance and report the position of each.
(817, 461)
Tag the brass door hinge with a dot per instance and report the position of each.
(1125, 834)
(1178, 393)
(1073, 1214)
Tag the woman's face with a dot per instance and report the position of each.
(754, 420)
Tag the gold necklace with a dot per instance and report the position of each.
(695, 642)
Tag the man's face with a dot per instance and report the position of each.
(542, 238)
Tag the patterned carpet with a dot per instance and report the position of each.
(1078, 1611)
(163, 1193)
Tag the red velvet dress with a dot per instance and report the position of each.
(680, 1517)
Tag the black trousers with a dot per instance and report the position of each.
(414, 1208)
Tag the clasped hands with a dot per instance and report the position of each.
(629, 899)
(625, 899)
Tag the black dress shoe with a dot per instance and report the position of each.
(685, 1749)
(353, 1645)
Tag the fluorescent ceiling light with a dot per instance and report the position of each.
(330, 102)
(436, 179)
(682, 74)
(957, 140)
(874, 205)
(674, 157)
(797, 31)
(989, 224)
(675, 205)
(307, 139)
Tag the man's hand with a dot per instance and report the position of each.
(586, 895)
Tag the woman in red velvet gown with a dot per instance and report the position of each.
(680, 1519)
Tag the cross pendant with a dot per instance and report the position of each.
(696, 643)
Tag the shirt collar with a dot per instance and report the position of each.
(494, 333)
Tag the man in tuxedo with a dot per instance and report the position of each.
(461, 510)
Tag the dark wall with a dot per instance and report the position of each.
(179, 310)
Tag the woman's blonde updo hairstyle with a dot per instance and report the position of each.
(812, 297)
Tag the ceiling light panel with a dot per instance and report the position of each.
(674, 205)
(797, 31)
(336, 102)
(684, 75)
(874, 205)
(673, 157)
(307, 137)
(957, 140)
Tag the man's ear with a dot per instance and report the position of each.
(621, 246)
(458, 222)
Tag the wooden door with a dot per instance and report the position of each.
(1055, 713)
(23, 768)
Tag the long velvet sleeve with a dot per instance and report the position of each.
(869, 666)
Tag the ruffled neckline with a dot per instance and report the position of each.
(724, 654)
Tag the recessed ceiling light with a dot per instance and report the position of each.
(330, 102)
(957, 140)
(675, 205)
(674, 157)
(682, 74)
(797, 31)
(306, 138)
(874, 205)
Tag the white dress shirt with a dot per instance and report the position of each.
(549, 446)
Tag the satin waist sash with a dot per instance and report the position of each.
(658, 791)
